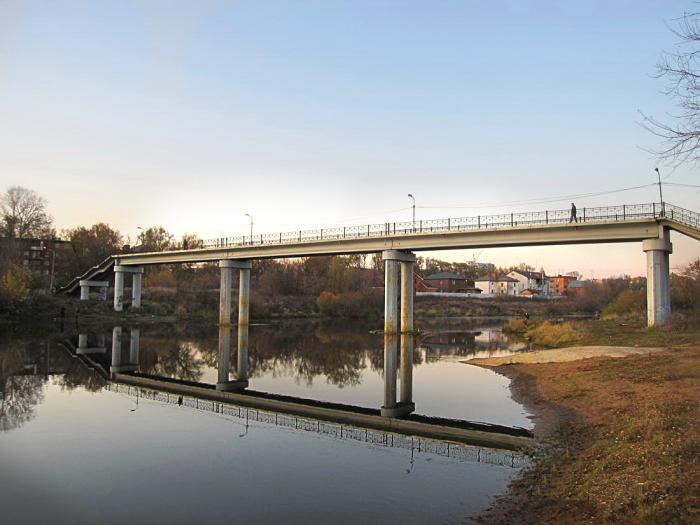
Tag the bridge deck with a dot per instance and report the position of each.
(627, 223)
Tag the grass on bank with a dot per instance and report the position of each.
(631, 453)
(556, 334)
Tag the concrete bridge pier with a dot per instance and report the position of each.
(393, 260)
(137, 273)
(85, 286)
(225, 294)
(224, 381)
(658, 283)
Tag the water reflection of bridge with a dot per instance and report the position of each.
(394, 415)
(246, 415)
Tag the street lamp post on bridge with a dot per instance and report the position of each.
(251, 226)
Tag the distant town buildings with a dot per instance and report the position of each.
(560, 283)
(495, 284)
(45, 257)
(523, 283)
(535, 283)
(448, 282)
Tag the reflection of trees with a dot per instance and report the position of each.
(79, 376)
(20, 391)
(19, 397)
(304, 353)
(171, 358)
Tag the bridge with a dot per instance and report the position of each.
(650, 224)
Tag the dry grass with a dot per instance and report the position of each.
(631, 455)
(552, 334)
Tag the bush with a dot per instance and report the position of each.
(15, 284)
(627, 304)
(515, 326)
(551, 334)
(350, 304)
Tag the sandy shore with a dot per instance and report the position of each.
(563, 355)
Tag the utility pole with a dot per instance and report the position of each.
(414, 212)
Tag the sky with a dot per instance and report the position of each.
(324, 113)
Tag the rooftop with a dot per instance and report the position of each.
(444, 275)
(496, 278)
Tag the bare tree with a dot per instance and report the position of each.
(680, 134)
(23, 214)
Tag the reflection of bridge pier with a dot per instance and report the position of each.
(404, 406)
(240, 382)
(84, 349)
(131, 363)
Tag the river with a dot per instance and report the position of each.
(77, 448)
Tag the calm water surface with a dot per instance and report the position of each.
(77, 450)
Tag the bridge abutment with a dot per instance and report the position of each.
(225, 294)
(658, 283)
(85, 286)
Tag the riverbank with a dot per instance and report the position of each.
(618, 438)
(170, 305)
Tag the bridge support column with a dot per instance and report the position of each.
(658, 284)
(119, 271)
(227, 266)
(407, 296)
(393, 259)
(118, 291)
(136, 290)
(244, 299)
(84, 291)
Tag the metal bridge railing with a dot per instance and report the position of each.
(624, 212)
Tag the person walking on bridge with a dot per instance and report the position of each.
(573, 217)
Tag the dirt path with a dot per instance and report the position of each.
(563, 355)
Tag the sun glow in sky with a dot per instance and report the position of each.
(320, 113)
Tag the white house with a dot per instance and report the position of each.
(535, 281)
(493, 284)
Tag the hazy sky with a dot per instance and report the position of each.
(321, 113)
